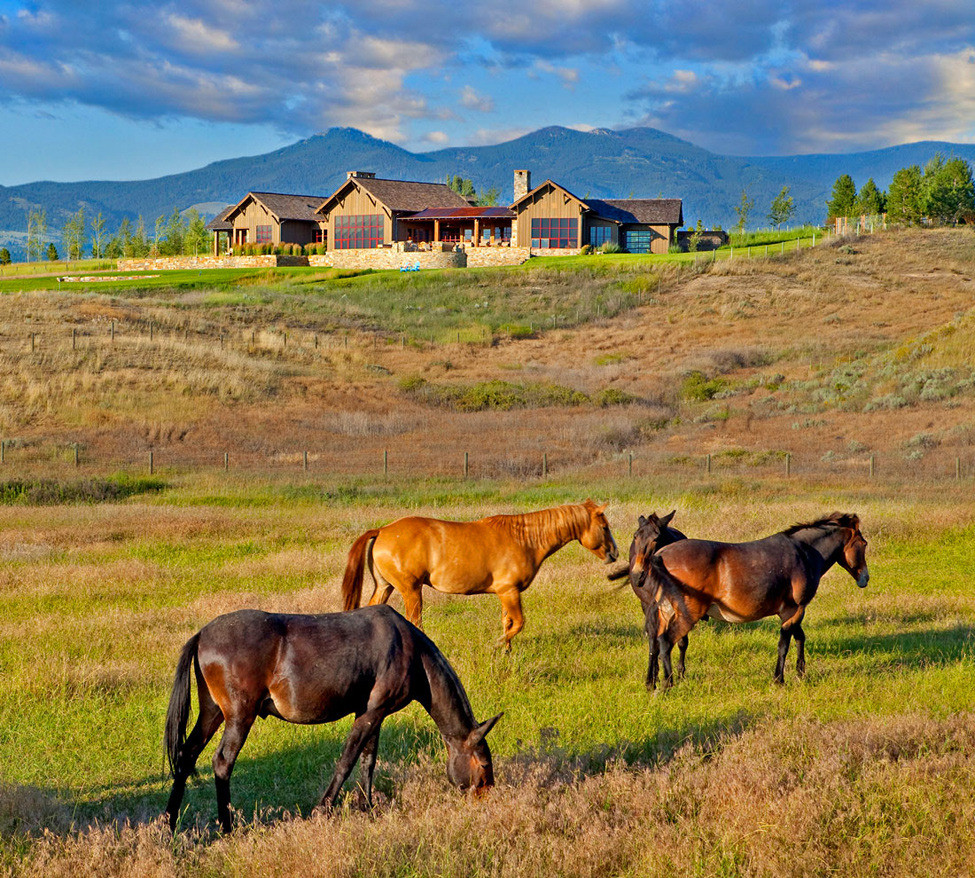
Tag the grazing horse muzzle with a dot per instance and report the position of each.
(863, 578)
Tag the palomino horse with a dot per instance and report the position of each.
(316, 669)
(744, 582)
(500, 555)
(652, 533)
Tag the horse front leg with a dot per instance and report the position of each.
(363, 730)
(650, 627)
(512, 618)
(367, 766)
(791, 620)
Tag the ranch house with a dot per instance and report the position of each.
(368, 212)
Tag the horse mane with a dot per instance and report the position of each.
(836, 519)
(565, 522)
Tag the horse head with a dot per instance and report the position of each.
(651, 534)
(469, 765)
(853, 557)
(597, 537)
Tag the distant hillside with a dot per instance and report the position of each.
(599, 163)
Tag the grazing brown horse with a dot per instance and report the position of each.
(652, 533)
(744, 582)
(316, 669)
(500, 555)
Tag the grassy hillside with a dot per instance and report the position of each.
(831, 355)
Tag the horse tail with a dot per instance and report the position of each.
(355, 570)
(179, 703)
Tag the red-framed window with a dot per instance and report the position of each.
(358, 232)
(555, 232)
(264, 234)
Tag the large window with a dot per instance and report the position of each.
(358, 232)
(264, 234)
(638, 241)
(555, 232)
(599, 235)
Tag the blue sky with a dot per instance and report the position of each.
(117, 90)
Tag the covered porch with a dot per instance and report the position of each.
(471, 226)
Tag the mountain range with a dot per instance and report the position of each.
(600, 163)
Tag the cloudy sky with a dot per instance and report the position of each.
(120, 90)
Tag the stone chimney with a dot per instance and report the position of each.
(523, 183)
(366, 175)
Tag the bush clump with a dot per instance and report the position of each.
(55, 492)
(697, 387)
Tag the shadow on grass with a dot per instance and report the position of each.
(290, 781)
(909, 649)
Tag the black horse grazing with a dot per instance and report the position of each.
(317, 669)
(651, 534)
(744, 582)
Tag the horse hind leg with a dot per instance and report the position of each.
(785, 635)
(381, 589)
(650, 627)
(207, 723)
(681, 656)
(512, 617)
(800, 637)
(367, 767)
(234, 736)
(790, 624)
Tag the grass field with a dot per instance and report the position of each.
(863, 769)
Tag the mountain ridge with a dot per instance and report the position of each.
(599, 163)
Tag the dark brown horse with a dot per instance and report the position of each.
(316, 669)
(744, 582)
(499, 555)
(652, 533)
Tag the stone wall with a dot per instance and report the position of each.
(394, 257)
(481, 257)
(173, 263)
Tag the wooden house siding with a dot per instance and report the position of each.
(547, 201)
(356, 201)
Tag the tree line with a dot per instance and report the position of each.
(179, 234)
(942, 193)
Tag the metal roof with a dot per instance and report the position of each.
(455, 213)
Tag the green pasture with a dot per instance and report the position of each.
(97, 600)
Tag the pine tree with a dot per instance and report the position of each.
(905, 198)
(4, 256)
(52, 253)
(948, 190)
(843, 200)
(870, 200)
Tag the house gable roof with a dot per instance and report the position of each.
(555, 187)
(281, 206)
(645, 211)
(221, 222)
(401, 196)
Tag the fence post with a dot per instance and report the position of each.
(872, 465)
(958, 468)
(226, 461)
(152, 464)
(305, 462)
(467, 464)
(385, 459)
(76, 462)
(709, 464)
(545, 465)
(113, 332)
(788, 464)
(3, 449)
(74, 338)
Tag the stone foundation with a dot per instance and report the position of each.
(398, 256)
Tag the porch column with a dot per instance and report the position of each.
(216, 243)
(436, 230)
(477, 232)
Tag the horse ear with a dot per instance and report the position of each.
(641, 521)
(601, 509)
(478, 732)
(667, 518)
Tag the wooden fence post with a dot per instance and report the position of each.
(467, 464)
(385, 461)
(545, 465)
(226, 461)
(872, 465)
(709, 464)
(788, 464)
(152, 464)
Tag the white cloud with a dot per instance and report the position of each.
(470, 99)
